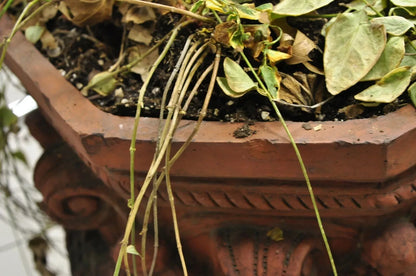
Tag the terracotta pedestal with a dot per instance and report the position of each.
(229, 192)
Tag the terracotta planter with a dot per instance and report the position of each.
(229, 192)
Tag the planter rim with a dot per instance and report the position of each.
(381, 136)
(372, 130)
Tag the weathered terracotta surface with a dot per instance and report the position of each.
(229, 192)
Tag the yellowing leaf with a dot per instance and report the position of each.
(388, 88)
(299, 7)
(275, 56)
(247, 11)
(275, 234)
(353, 45)
(222, 82)
(238, 38)
(214, 5)
(390, 58)
(238, 80)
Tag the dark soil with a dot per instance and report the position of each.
(86, 51)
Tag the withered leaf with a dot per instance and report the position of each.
(141, 34)
(143, 67)
(222, 32)
(138, 15)
(84, 13)
(301, 48)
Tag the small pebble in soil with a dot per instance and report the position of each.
(216, 112)
(265, 115)
(119, 92)
(156, 90)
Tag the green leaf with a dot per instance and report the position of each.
(33, 33)
(390, 58)
(103, 83)
(378, 5)
(404, 3)
(388, 88)
(265, 7)
(20, 156)
(410, 59)
(237, 79)
(353, 45)
(238, 38)
(7, 118)
(395, 25)
(412, 93)
(299, 7)
(222, 82)
(132, 250)
(195, 7)
(247, 11)
(218, 5)
(270, 77)
(407, 13)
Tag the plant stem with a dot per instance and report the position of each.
(5, 7)
(328, 15)
(177, 87)
(172, 207)
(155, 164)
(308, 184)
(155, 233)
(187, 142)
(176, 97)
(201, 117)
(170, 9)
(371, 7)
(16, 26)
(32, 14)
(157, 182)
(301, 163)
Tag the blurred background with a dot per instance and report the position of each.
(25, 231)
